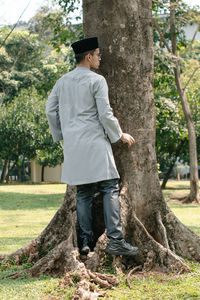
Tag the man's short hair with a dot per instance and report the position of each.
(81, 56)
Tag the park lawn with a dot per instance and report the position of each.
(188, 214)
(25, 210)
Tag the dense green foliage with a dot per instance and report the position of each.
(25, 63)
(21, 126)
(29, 69)
(55, 28)
(24, 131)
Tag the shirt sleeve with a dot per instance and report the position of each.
(105, 112)
(52, 113)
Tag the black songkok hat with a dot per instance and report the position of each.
(85, 45)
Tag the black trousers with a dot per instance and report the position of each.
(111, 205)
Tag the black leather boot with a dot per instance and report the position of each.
(121, 247)
(85, 249)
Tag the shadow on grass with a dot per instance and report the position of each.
(182, 205)
(19, 281)
(16, 239)
(17, 201)
(177, 187)
(15, 242)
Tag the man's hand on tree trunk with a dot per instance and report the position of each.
(127, 138)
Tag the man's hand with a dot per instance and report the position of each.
(127, 138)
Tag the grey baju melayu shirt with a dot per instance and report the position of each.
(79, 112)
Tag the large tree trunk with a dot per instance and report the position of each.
(124, 29)
(125, 33)
(194, 178)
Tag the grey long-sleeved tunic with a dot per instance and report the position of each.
(79, 112)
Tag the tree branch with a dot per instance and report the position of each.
(161, 34)
(3, 43)
(165, 30)
(172, 28)
(167, 26)
(187, 83)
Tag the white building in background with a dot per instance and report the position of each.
(190, 30)
(50, 174)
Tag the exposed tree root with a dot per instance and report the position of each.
(186, 199)
(103, 280)
(73, 270)
(30, 251)
(59, 260)
(65, 258)
(85, 289)
(138, 268)
(189, 199)
(162, 230)
(152, 254)
(185, 242)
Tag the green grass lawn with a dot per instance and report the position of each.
(26, 209)
(188, 214)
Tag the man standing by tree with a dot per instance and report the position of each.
(79, 112)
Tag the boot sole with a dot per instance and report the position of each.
(125, 253)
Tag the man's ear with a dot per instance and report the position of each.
(88, 57)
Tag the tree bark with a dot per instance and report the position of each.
(8, 172)
(124, 29)
(42, 173)
(194, 178)
(3, 175)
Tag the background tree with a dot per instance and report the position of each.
(20, 64)
(127, 63)
(25, 63)
(171, 132)
(178, 16)
(24, 133)
(191, 79)
(54, 27)
(20, 129)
